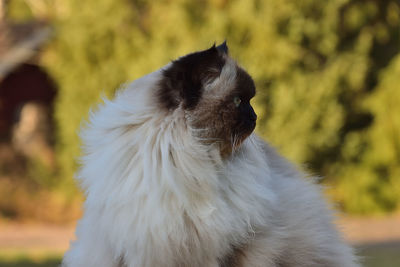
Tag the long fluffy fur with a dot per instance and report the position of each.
(156, 196)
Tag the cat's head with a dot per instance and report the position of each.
(214, 93)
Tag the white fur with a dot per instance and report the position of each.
(157, 197)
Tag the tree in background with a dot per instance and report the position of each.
(327, 75)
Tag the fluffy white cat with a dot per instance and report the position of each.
(173, 176)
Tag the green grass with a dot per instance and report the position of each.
(22, 259)
(386, 256)
(27, 262)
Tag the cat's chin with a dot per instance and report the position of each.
(229, 148)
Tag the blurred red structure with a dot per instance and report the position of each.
(27, 83)
(26, 94)
(22, 81)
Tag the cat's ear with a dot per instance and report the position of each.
(183, 80)
(223, 48)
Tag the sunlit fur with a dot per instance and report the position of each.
(157, 195)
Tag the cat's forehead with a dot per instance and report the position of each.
(225, 81)
(244, 84)
(232, 80)
(205, 74)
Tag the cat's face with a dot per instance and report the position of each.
(214, 92)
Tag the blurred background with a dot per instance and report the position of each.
(328, 81)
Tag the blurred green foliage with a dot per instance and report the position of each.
(327, 74)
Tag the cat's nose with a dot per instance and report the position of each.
(253, 115)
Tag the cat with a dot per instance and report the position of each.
(174, 176)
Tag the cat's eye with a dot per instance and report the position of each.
(237, 101)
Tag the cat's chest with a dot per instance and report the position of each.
(233, 215)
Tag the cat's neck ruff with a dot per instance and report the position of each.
(136, 158)
(134, 149)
